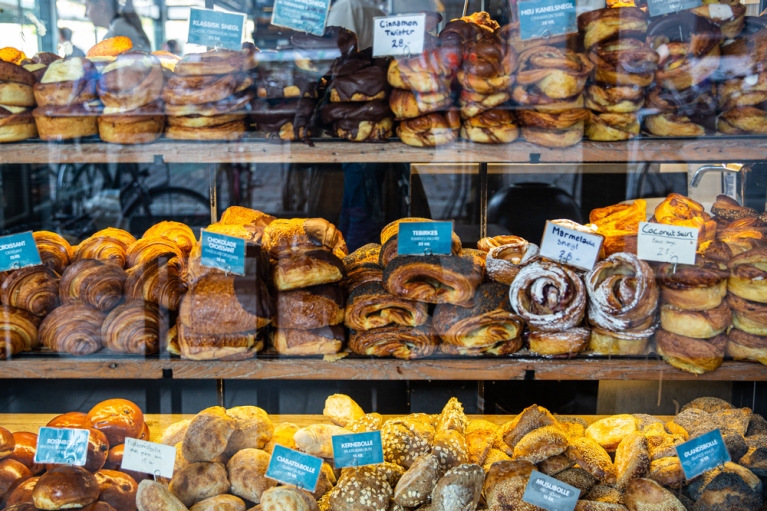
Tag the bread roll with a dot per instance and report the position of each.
(67, 420)
(416, 485)
(199, 481)
(532, 417)
(220, 503)
(7, 443)
(480, 435)
(554, 465)
(505, 484)
(667, 472)
(609, 432)
(12, 474)
(247, 471)
(540, 444)
(317, 439)
(363, 489)
(578, 478)
(591, 456)
(287, 498)
(404, 440)
(24, 451)
(647, 495)
(342, 410)
(118, 419)
(252, 429)
(65, 487)
(117, 489)
(22, 494)
(450, 448)
(632, 459)
(175, 433)
(460, 488)
(366, 423)
(153, 496)
(208, 434)
(283, 435)
(98, 451)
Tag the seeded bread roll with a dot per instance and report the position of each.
(199, 481)
(540, 444)
(532, 417)
(325, 482)
(459, 489)
(647, 495)
(632, 459)
(363, 489)
(404, 440)
(729, 486)
(505, 484)
(590, 505)
(368, 422)
(494, 456)
(208, 434)
(480, 435)
(416, 485)
(667, 472)
(604, 493)
(450, 448)
(609, 432)
(592, 457)
(342, 410)
(452, 417)
(246, 471)
(578, 478)
(555, 464)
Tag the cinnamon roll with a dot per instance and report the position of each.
(18, 331)
(370, 306)
(34, 289)
(431, 130)
(611, 23)
(496, 126)
(531, 98)
(489, 322)
(548, 296)
(157, 281)
(134, 327)
(311, 307)
(701, 286)
(402, 342)
(327, 340)
(503, 262)
(743, 120)
(553, 130)
(698, 324)
(74, 328)
(747, 275)
(751, 317)
(745, 346)
(488, 66)
(624, 62)
(695, 356)
(558, 344)
(433, 279)
(180, 234)
(429, 72)
(55, 252)
(608, 127)
(620, 99)
(557, 73)
(93, 283)
(406, 104)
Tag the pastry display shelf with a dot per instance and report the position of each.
(255, 150)
(104, 366)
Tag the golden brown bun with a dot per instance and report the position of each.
(12, 474)
(632, 459)
(591, 456)
(605, 342)
(697, 324)
(17, 127)
(65, 487)
(32, 289)
(117, 489)
(19, 331)
(702, 286)
(73, 329)
(283, 435)
(246, 471)
(93, 283)
(57, 128)
(24, 451)
(253, 429)
(610, 431)
(7, 443)
(430, 130)
(220, 503)
(695, 356)
(316, 439)
(531, 418)
(208, 434)
(22, 494)
(540, 444)
(118, 419)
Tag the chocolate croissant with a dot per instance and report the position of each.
(395, 341)
(157, 281)
(223, 346)
(93, 283)
(18, 331)
(433, 279)
(362, 267)
(310, 307)
(370, 306)
(286, 237)
(320, 341)
(134, 327)
(180, 234)
(310, 268)
(489, 323)
(55, 252)
(34, 289)
(73, 329)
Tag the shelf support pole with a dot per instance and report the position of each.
(213, 178)
(482, 200)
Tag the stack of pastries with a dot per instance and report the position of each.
(16, 103)
(624, 65)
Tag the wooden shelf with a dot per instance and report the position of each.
(253, 150)
(360, 368)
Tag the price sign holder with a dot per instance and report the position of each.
(357, 449)
(661, 7)
(216, 28)
(425, 238)
(292, 467)
(222, 252)
(18, 251)
(571, 247)
(62, 446)
(149, 457)
(546, 18)
(398, 35)
(549, 493)
(666, 243)
(702, 454)
(308, 16)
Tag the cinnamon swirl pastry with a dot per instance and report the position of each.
(327, 340)
(624, 62)
(55, 251)
(286, 237)
(18, 331)
(742, 92)
(362, 267)
(548, 296)
(310, 307)
(743, 120)
(611, 23)
(677, 209)
(156, 281)
(429, 72)
(503, 262)
(488, 66)
(553, 130)
(497, 126)
(701, 286)
(619, 100)
(370, 306)
(176, 232)
(557, 73)
(310, 268)
(558, 344)
(402, 342)
(473, 103)
(745, 346)
(695, 356)
(609, 127)
(134, 327)
(222, 346)
(488, 323)
(745, 54)
(93, 283)
(406, 104)
(34, 289)
(747, 275)
(430, 130)
(73, 329)
(751, 317)
(433, 279)
(698, 324)
(145, 250)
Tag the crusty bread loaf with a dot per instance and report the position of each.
(247, 474)
(207, 434)
(555, 464)
(220, 503)
(342, 410)
(153, 496)
(480, 435)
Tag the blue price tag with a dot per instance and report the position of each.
(660, 7)
(357, 449)
(62, 446)
(425, 238)
(292, 467)
(702, 454)
(225, 253)
(549, 493)
(215, 28)
(545, 18)
(301, 15)
(18, 251)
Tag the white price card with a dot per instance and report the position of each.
(149, 457)
(398, 35)
(666, 243)
(571, 247)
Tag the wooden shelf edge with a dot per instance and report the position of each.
(370, 369)
(714, 149)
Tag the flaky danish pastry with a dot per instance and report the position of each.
(55, 251)
(319, 341)
(73, 329)
(370, 306)
(310, 268)
(158, 281)
(362, 267)
(619, 225)
(677, 209)
(548, 296)
(700, 286)
(194, 345)
(310, 307)
(488, 322)
(695, 356)
(34, 289)
(18, 331)
(402, 342)
(433, 279)
(751, 317)
(93, 283)
(745, 346)
(747, 275)
(134, 327)
(286, 237)
(556, 72)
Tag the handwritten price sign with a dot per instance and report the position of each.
(568, 246)
(666, 243)
(149, 457)
(398, 35)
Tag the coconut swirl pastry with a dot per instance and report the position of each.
(488, 326)
(18, 331)
(433, 279)
(695, 356)
(506, 256)
(74, 328)
(395, 341)
(134, 327)
(370, 306)
(623, 297)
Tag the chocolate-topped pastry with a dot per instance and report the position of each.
(289, 119)
(359, 77)
(688, 112)
(277, 78)
(316, 54)
(360, 122)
